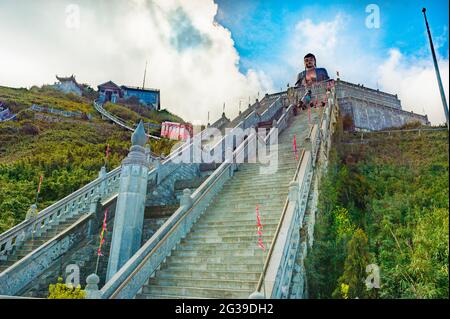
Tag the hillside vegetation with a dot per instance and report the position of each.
(383, 203)
(21, 99)
(68, 152)
(133, 113)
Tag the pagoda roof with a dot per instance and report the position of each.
(109, 85)
(69, 79)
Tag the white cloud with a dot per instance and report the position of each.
(191, 58)
(414, 80)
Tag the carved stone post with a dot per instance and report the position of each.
(186, 199)
(129, 216)
(102, 177)
(274, 123)
(92, 291)
(148, 153)
(32, 212)
(293, 191)
(256, 295)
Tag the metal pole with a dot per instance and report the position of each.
(263, 282)
(436, 68)
(96, 265)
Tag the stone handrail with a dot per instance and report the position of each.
(117, 120)
(72, 205)
(104, 187)
(27, 269)
(250, 120)
(128, 280)
(278, 268)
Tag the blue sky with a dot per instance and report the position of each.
(273, 36)
(204, 53)
(258, 27)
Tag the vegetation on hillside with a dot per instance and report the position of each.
(384, 203)
(132, 113)
(21, 99)
(68, 152)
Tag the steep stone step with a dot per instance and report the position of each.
(225, 240)
(202, 274)
(249, 220)
(201, 282)
(215, 233)
(210, 260)
(154, 296)
(238, 227)
(213, 246)
(220, 257)
(213, 267)
(204, 252)
(229, 219)
(197, 292)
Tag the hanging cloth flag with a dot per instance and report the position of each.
(107, 151)
(41, 178)
(102, 234)
(107, 154)
(40, 183)
(260, 227)
(294, 147)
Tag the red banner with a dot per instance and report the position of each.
(294, 147)
(260, 227)
(107, 152)
(40, 183)
(102, 234)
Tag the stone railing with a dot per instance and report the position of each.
(99, 107)
(279, 264)
(103, 188)
(133, 275)
(64, 113)
(23, 272)
(73, 205)
(130, 278)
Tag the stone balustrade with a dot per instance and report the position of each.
(130, 278)
(74, 204)
(280, 262)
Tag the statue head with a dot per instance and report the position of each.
(310, 61)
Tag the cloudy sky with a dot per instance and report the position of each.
(204, 53)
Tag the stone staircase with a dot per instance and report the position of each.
(85, 255)
(220, 258)
(31, 244)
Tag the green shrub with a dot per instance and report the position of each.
(62, 291)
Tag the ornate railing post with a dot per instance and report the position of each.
(102, 177)
(92, 291)
(293, 191)
(129, 216)
(186, 199)
(32, 212)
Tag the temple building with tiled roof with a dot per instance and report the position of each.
(68, 85)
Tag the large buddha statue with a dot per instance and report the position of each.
(311, 73)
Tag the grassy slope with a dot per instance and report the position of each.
(69, 153)
(396, 190)
(132, 114)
